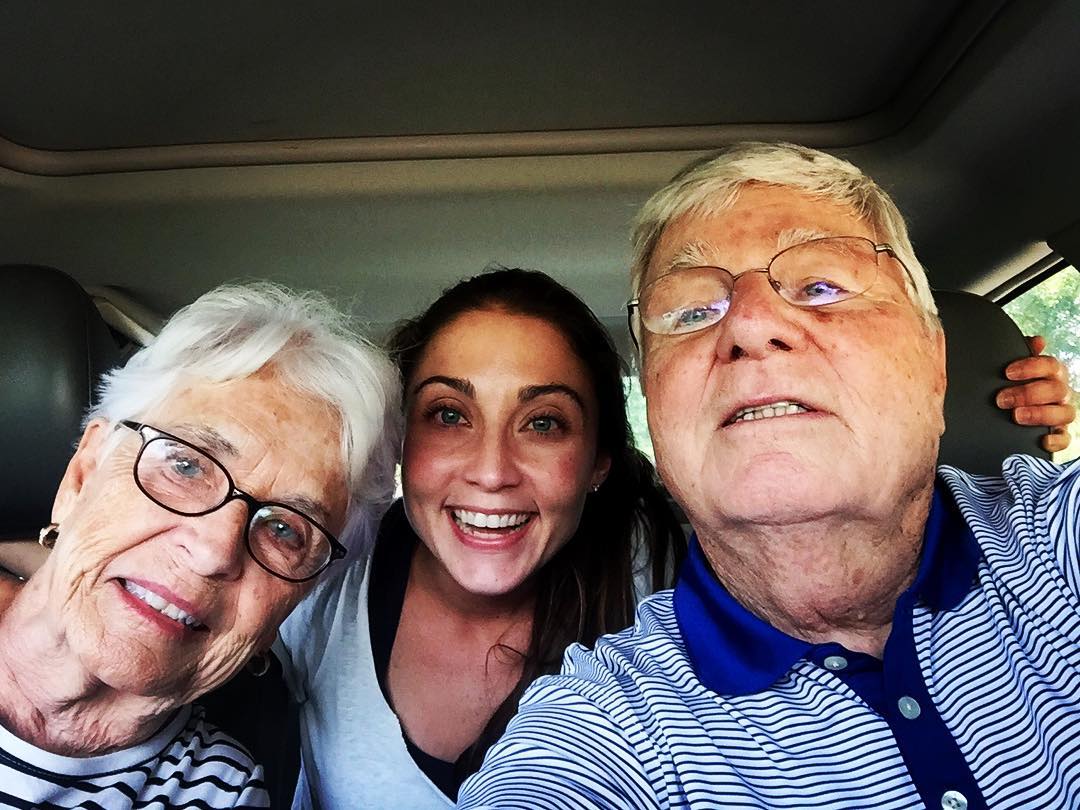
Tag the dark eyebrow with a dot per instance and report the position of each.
(206, 438)
(534, 391)
(457, 383)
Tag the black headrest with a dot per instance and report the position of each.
(54, 349)
(981, 340)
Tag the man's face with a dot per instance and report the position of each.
(867, 374)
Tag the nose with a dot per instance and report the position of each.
(492, 465)
(214, 546)
(758, 322)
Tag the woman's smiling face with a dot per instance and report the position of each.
(156, 603)
(500, 447)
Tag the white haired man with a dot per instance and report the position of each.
(853, 628)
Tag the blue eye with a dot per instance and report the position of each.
(186, 466)
(543, 424)
(448, 416)
(280, 529)
(822, 291)
(692, 318)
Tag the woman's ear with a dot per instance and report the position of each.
(79, 469)
(600, 471)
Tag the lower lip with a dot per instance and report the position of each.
(500, 543)
(170, 627)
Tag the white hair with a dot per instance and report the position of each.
(712, 184)
(234, 331)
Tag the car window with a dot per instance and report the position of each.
(1052, 308)
(635, 413)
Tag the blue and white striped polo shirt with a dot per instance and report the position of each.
(975, 704)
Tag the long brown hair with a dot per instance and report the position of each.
(587, 588)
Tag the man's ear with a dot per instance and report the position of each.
(79, 469)
(941, 377)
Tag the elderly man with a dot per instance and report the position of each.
(852, 628)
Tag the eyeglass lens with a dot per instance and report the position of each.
(185, 480)
(811, 274)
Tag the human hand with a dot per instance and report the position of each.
(1042, 396)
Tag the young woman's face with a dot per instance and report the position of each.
(500, 448)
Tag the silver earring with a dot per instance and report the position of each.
(48, 536)
(596, 487)
(259, 665)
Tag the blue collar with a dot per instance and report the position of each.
(736, 653)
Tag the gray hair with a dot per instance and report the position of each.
(712, 184)
(234, 331)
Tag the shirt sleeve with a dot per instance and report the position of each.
(563, 751)
(302, 640)
(1044, 514)
(1033, 509)
(1062, 509)
(254, 793)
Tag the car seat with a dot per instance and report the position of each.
(980, 339)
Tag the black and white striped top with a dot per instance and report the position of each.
(634, 725)
(188, 763)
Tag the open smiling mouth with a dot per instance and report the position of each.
(770, 411)
(162, 605)
(488, 526)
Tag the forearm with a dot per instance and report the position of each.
(22, 557)
(9, 587)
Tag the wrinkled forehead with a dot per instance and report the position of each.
(262, 429)
(697, 252)
(749, 228)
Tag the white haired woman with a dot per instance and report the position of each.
(206, 495)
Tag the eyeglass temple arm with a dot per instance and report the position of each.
(632, 305)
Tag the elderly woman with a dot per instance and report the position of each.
(206, 495)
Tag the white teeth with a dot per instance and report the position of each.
(769, 411)
(161, 605)
(481, 520)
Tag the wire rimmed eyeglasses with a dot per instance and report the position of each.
(815, 273)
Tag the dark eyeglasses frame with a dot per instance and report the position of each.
(879, 247)
(234, 493)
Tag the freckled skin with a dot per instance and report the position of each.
(813, 521)
(495, 458)
(846, 359)
(288, 443)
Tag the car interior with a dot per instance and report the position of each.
(380, 154)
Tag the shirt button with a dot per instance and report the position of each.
(953, 800)
(909, 707)
(835, 663)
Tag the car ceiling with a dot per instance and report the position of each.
(379, 154)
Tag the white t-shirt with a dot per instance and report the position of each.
(353, 747)
(188, 763)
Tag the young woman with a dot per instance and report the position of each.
(528, 522)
